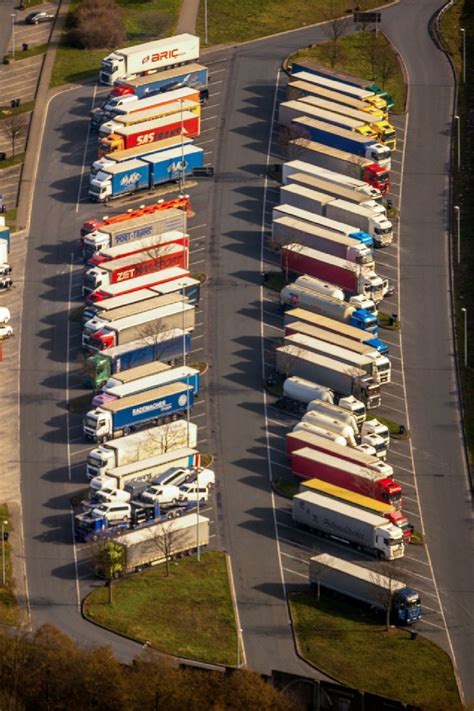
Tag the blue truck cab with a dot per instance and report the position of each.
(407, 606)
(361, 318)
(364, 238)
(378, 345)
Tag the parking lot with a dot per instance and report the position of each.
(198, 229)
(296, 546)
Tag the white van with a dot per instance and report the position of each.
(114, 511)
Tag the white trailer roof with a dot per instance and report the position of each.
(155, 45)
(307, 438)
(338, 130)
(340, 507)
(137, 319)
(357, 571)
(152, 125)
(333, 351)
(172, 526)
(150, 462)
(144, 398)
(323, 361)
(334, 225)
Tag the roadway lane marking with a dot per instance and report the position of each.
(432, 624)
(78, 592)
(415, 560)
(196, 227)
(84, 154)
(293, 572)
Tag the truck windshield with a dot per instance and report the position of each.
(384, 365)
(395, 499)
(90, 421)
(382, 230)
(95, 461)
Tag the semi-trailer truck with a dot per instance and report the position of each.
(149, 57)
(341, 378)
(297, 295)
(134, 175)
(309, 463)
(192, 75)
(140, 134)
(367, 503)
(138, 152)
(183, 374)
(337, 244)
(330, 324)
(308, 343)
(143, 547)
(363, 94)
(298, 89)
(344, 162)
(339, 178)
(330, 423)
(371, 219)
(144, 470)
(383, 129)
(147, 244)
(167, 346)
(95, 324)
(364, 530)
(121, 417)
(129, 230)
(181, 202)
(330, 290)
(376, 437)
(134, 104)
(135, 265)
(129, 286)
(345, 140)
(140, 445)
(132, 374)
(313, 67)
(297, 259)
(149, 324)
(168, 109)
(303, 391)
(381, 361)
(327, 187)
(337, 412)
(364, 585)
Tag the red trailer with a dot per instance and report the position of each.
(143, 282)
(140, 246)
(141, 134)
(310, 463)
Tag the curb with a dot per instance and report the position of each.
(233, 595)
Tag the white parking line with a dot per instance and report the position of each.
(293, 572)
(293, 557)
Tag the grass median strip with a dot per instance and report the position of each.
(9, 610)
(187, 614)
(348, 643)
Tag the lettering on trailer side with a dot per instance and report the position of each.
(158, 56)
(130, 179)
(331, 525)
(128, 274)
(133, 234)
(162, 405)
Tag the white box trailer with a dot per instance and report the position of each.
(146, 547)
(377, 226)
(336, 190)
(290, 110)
(348, 523)
(299, 340)
(367, 586)
(340, 161)
(286, 230)
(140, 445)
(149, 57)
(301, 166)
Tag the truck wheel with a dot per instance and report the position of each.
(174, 417)
(126, 431)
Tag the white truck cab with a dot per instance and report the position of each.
(97, 425)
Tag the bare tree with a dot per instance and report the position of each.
(89, 20)
(334, 28)
(286, 357)
(13, 127)
(164, 539)
(293, 140)
(386, 581)
(385, 64)
(370, 50)
(164, 440)
(319, 563)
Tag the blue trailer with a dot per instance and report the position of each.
(115, 181)
(341, 138)
(153, 407)
(139, 152)
(196, 76)
(100, 367)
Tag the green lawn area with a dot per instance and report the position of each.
(187, 614)
(9, 610)
(10, 162)
(20, 54)
(23, 108)
(286, 487)
(354, 648)
(352, 60)
(250, 19)
(73, 65)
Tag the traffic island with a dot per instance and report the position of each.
(274, 280)
(330, 633)
(397, 431)
(286, 487)
(83, 403)
(390, 322)
(186, 614)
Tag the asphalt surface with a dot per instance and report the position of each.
(229, 218)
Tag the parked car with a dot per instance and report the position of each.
(34, 18)
(159, 493)
(191, 492)
(114, 511)
(6, 283)
(5, 332)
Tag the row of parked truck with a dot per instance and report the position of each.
(331, 363)
(147, 125)
(145, 475)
